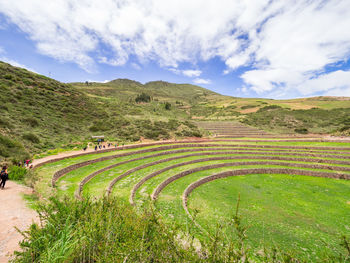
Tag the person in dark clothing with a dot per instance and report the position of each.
(4, 177)
(95, 147)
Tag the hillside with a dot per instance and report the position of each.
(39, 113)
(314, 115)
(159, 90)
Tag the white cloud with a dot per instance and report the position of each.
(285, 42)
(16, 64)
(202, 81)
(136, 66)
(191, 73)
(99, 81)
(329, 83)
(186, 72)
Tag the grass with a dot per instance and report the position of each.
(70, 181)
(281, 209)
(294, 213)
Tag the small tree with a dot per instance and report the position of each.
(167, 106)
(143, 97)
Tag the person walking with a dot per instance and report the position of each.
(4, 177)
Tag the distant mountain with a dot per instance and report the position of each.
(161, 90)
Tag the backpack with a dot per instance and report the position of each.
(4, 175)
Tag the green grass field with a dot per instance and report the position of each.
(292, 212)
(305, 215)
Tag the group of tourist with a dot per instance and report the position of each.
(4, 176)
(101, 146)
(26, 163)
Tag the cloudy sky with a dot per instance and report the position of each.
(248, 48)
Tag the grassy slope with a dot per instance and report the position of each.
(39, 112)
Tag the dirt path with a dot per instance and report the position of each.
(63, 154)
(14, 212)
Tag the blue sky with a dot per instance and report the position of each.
(246, 48)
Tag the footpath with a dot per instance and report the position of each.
(14, 213)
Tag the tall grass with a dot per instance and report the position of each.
(107, 230)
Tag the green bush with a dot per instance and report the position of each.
(143, 97)
(31, 137)
(108, 230)
(17, 173)
(105, 230)
(167, 105)
(247, 107)
(32, 122)
(269, 107)
(301, 130)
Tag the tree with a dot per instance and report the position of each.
(167, 106)
(143, 97)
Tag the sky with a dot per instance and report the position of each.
(246, 48)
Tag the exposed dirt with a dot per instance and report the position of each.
(14, 213)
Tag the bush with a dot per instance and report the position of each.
(100, 126)
(108, 230)
(167, 106)
(17, 173)
(269, 107)
(301, 130)
(32, 122)
(143, 97)
(105, 230)
(247, 107)
(31, 137)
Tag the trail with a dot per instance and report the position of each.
(14, 213)
(92, 150)
(63, 154)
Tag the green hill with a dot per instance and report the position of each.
(39, 113)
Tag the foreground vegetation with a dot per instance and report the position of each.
(107, 230)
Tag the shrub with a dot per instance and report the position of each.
(248, 107)
(108, 230)
(100, 126)
(167, 106)
(17, 173)
(269, 107)
(9, 76)
(31, 137)
(105, 230)
(32, 122)
(143, 97)
(301, 130)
